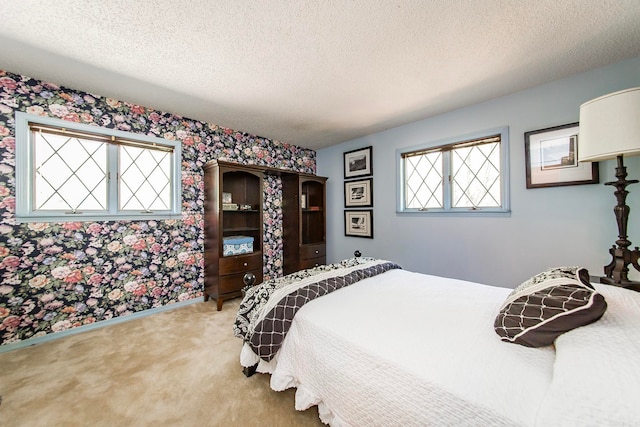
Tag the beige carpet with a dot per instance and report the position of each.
(175, 368)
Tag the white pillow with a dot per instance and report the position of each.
(596, 377)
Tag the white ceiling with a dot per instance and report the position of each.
(312, 72)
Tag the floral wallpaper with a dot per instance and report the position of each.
(57, 276)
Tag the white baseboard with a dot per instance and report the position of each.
(84, 328)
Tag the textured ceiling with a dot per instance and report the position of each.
(312, 72)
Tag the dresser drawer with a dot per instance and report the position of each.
(234, 283)
(312, 251)
(312, 262)
(240, 263)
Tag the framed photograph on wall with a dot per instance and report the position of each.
(358, 194)
(551, 157)
(358, 163)
(358, 223)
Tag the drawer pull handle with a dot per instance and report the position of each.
(249, 279)
(317, 252)
(245, 264)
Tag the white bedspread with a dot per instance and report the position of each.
(428, 356)
(596, 379)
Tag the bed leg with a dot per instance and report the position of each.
(250, 370)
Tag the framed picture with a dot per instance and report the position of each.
(358, 194)
(358, 163)
(303, 201)
(551, 157)
(226, 198)
(358, 223)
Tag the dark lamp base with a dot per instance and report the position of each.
(616, 272)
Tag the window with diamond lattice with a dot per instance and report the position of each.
(145, 179)
(466, 175)
(69, 171)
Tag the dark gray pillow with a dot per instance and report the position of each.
(548, 305)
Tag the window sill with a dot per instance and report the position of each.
(457, 213)
(93, 218)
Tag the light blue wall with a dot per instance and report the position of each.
(571, 225)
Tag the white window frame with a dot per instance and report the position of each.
(447, 209)
(25, 174)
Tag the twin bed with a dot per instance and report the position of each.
(372, 344)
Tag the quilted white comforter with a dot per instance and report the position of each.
(410, 349)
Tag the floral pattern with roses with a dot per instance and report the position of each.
(57, 276)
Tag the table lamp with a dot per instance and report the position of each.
(610, 128)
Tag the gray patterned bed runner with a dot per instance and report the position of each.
(265, 333)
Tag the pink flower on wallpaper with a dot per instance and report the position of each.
(140, 290)
(94, 228)
(72, 225)
(11, 261)
(74, 277)
(188, 180)
(95, 279)
(9, 203)
(61, 326)
(10, 322)
(136, 109)
(72, 117)
(8, 83)
(139, 245)
(40, 226)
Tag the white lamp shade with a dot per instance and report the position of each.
(610, 126)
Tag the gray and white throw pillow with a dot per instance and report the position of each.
(548, 305)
